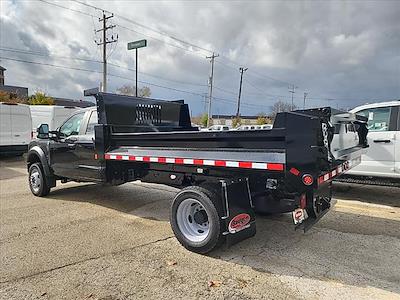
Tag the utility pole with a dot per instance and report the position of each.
(212, 58)
(103, 42)
(304, 101)
(292, 90)
(241, 70)
(205, 96)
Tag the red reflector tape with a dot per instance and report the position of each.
(294, 171)
(199, 162)
(245, 164)
(275, 167)
(220, 163)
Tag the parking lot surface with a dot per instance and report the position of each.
(87, 241)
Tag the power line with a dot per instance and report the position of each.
(179, 40)
(99, 72)
(36, 53)
(127, 78)
(149, 28)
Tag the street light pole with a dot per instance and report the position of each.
(136, 45)
(136, 71)
(304, 102)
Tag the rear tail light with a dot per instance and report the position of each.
(31, 135)
(308, 179)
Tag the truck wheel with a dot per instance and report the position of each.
(37, 181)
(196, 219)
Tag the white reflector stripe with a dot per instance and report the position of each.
(262, 166)
(209, 162)
(347, 165)
(232, 164)
(198, 162)
(170, 160)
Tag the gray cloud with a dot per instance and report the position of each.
(347, 50)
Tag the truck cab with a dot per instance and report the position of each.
(70, 148)
(383, 157)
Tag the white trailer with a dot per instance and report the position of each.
(53, 115)
(15, 128)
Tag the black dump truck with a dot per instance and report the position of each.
(225, 177)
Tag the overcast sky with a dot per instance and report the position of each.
(343, 53)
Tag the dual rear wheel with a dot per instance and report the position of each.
(196, 219)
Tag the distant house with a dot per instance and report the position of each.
(228, 120)
(18, 91)
(22, 92)
(2, 75)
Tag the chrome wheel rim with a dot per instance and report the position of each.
(35, 180)
(193, 220)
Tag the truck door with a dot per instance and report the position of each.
(380, 157)
(89, 167)
(64, 157)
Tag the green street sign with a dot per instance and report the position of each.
(137, 44)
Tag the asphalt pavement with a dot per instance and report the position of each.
(87, 241)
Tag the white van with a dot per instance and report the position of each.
(383, 156)
(52, 115)
(15, 128)
(217, 128)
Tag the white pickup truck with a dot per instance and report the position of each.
(383, 156)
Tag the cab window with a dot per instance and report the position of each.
(71, 126)
(93, 120)
(378, 118)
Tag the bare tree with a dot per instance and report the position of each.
(130, 91)
(281, 106)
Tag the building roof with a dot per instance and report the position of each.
(71, 102)
(2, 68)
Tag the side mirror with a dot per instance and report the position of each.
(43, 131)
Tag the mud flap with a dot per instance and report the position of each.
(239, 216)
(322, 203)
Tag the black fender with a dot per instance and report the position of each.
(37, 152)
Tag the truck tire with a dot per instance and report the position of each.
(37, 181)
(196, 219)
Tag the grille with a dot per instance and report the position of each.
(148, 114)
